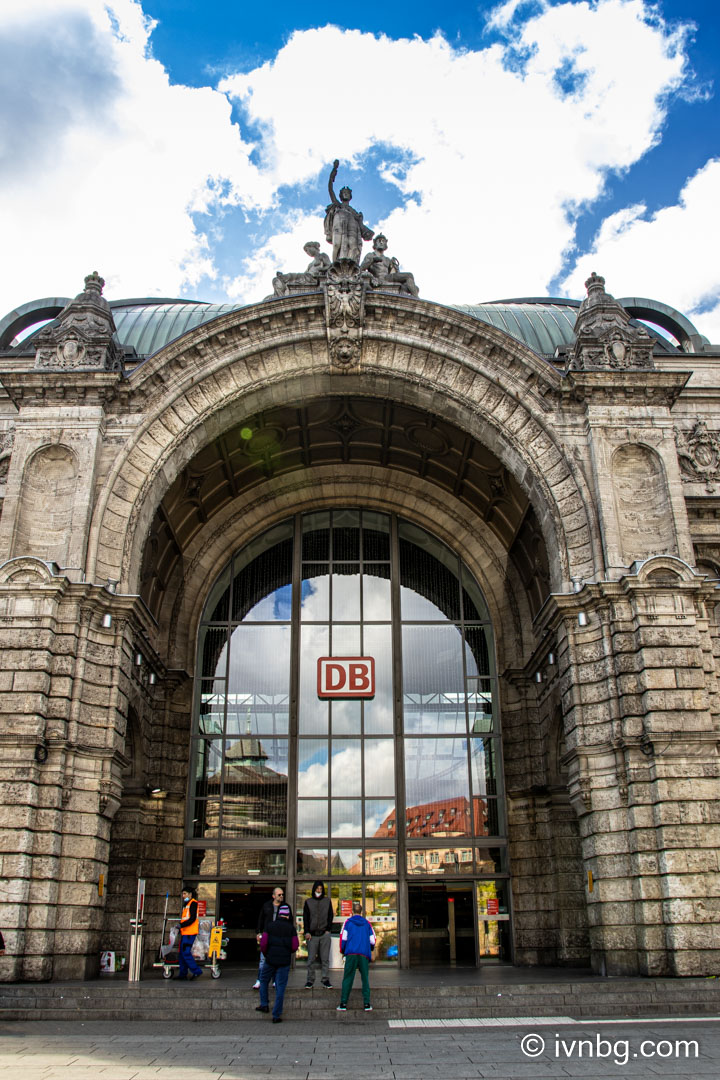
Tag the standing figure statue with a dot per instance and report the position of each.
(344, 227)
(383, 269)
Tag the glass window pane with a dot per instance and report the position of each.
(255, 787)
(428, 576)
(478, 653)
(312, 712)
(201, 862)
(259, 663)
(346, 640)
(206, 768)
(312, 817)
(381, 910)
(480, 705)
(492, 898)
(377, 642)
(433, 683)
(211, 707)
(379, 767)
(379, 862)
(437, 789)
(346, 768)
(346, 717)
(263, 576)
(483, 766)
(376, 592)
(346, 535)
(257, 714)
(489, 819)
(345, 861)
(375, 536)
(212, 647)
(378, 812)
(205, 819)
(312, 767)
(346, 592)
(251, 862)
(315, 593)
(490, 860)
(346, 817)
(316, 536)
(313, 862)
(447, 859)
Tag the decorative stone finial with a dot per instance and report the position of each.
(94, 283)
(605, 339)
(81, 338)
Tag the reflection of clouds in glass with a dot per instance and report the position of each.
(435, 769)
(346, 817)
(315, 598)
(346, 774)
(312, 767)
(260, 660)
(276, 606)
(376, 598)
(348, 858)
(379, 768)
(415, 606)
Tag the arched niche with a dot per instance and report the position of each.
(642, 504)
(44, 525)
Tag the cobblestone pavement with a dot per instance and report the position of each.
(71, 1050)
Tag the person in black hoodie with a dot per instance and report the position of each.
(278, 942)
(318, 918)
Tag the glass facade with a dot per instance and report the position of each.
(403, 785)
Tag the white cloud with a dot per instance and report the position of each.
(667, 255)
(497, 152)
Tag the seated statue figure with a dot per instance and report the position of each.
(383, 269)
(310, 278)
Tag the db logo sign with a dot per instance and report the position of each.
(346, 676)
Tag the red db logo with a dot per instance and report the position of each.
(346, 676)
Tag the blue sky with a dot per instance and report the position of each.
(183, 148)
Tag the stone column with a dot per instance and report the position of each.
(641, 723)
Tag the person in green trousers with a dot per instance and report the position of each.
(357, 941)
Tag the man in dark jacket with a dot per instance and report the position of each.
(357, 941)
(278, 943)
(318, 918)
(268, 913)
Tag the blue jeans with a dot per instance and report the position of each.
(186, 960)
(280, 975)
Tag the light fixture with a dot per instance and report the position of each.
(153, 678)
(538, 676)
(551, 659)
(582, 618)
(155, 792)
(138, 659)
(107, 620)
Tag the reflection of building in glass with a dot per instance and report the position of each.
(441, 817)
(246, 798)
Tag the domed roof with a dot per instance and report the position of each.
(146, 325)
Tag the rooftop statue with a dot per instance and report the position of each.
(344, 226)
(383, 269)
(310, 278)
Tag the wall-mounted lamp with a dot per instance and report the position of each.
(538, 676)
(551, 659)
(107, 620)
(155, 792)
(582, 618)
(153, 678)
(138, 659)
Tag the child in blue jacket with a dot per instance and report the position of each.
(357, 941)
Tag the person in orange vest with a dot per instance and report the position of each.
(189, 926)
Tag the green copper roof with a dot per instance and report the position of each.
(146, 326)
(542, 324)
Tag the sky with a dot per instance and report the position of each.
(183, 149)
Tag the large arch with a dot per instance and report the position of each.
(437, 360)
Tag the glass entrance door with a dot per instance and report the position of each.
(442, 924)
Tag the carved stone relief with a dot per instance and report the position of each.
(698, 453)
(345, 313)
(604, 337)
(642, 504)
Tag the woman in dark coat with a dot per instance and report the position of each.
(278, 943)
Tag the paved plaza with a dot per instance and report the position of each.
(295, 1050)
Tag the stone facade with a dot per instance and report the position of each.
(593, 530)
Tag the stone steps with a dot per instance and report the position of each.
(221, 1000)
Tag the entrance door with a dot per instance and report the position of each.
(442, 924)
(240, 908)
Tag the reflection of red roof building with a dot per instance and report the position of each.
(443, 817)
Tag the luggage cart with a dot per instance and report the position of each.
(168, 954)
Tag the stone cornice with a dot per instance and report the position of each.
(51, 388)
(622, 388)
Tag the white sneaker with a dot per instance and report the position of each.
(256, 984)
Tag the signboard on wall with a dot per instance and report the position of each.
(346, 676)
